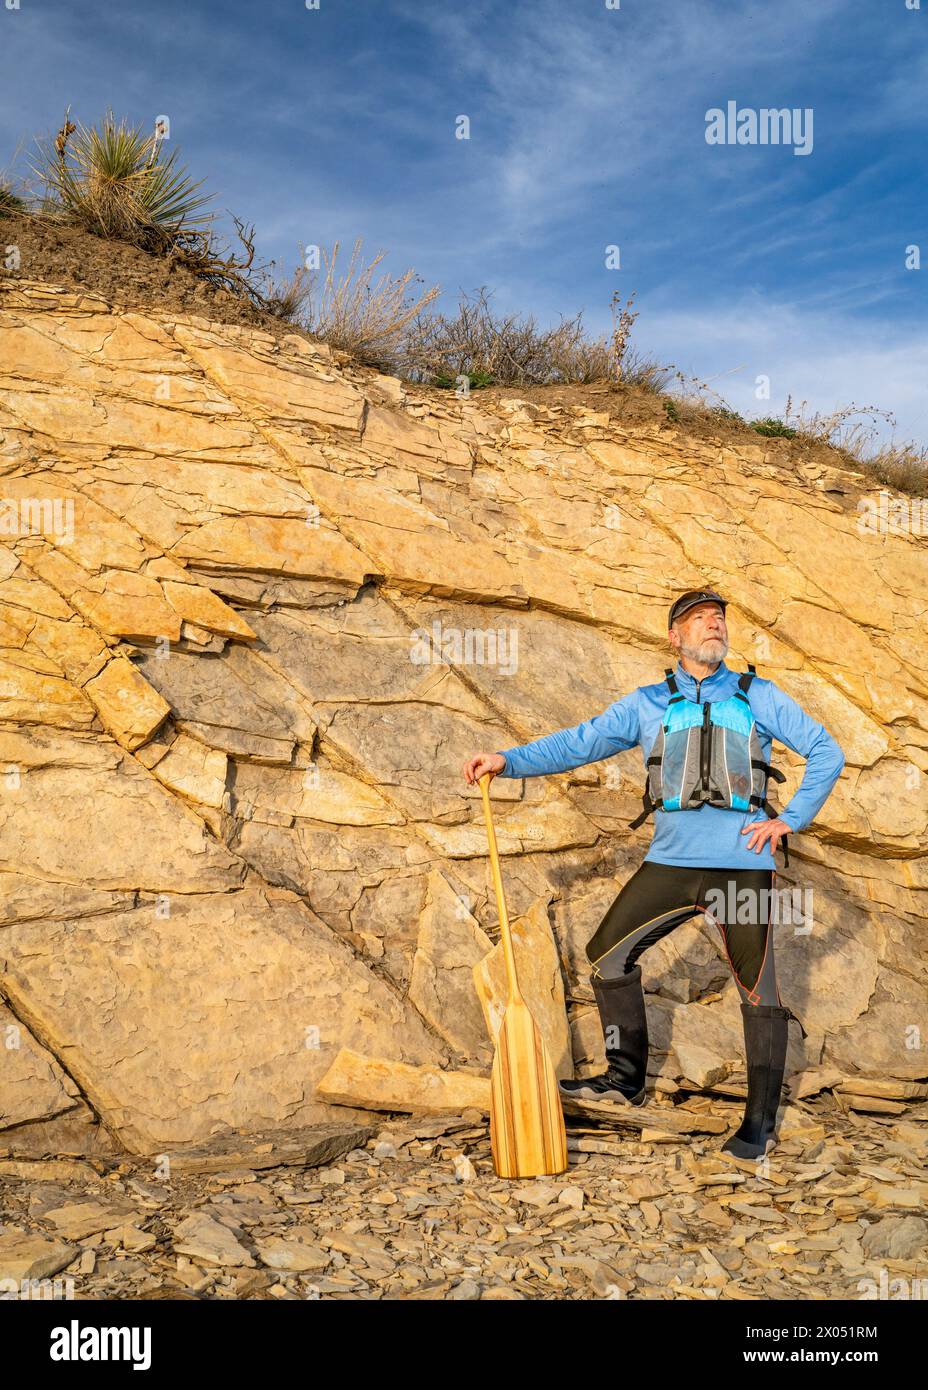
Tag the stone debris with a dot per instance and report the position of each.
(464, 1170)
(415, 1211)
(77, 1219)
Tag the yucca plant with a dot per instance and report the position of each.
(113, 181)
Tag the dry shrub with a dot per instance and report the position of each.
(509, 350)
(10, 201)
(349, 312)
(902, 466)
(287, 298)
(836, 427)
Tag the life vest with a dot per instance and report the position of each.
(708, 752)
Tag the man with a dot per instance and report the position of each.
(706, 734)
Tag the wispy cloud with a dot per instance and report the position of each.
(830, 359)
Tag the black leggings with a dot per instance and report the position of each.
(658, 897)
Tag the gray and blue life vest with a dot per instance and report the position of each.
(708, 752)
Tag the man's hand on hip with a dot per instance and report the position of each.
(761, 831)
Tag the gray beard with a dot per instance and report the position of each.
(708, 653)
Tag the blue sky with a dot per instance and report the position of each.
(587, 129)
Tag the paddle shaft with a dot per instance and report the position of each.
(515, 994)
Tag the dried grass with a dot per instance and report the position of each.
(349, 311)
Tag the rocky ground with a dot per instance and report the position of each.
(412, 1209)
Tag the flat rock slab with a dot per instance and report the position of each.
(310, 1147)
(380, 1083)
(77, 1220)
(48, 1170)
(202, 1238)
(26, 1256)
(645, 1117)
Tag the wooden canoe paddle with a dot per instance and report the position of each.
(527, 1134)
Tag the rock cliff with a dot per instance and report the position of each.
(256, 609)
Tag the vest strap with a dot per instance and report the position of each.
(773, 772)
(642, 816)
(744, 681)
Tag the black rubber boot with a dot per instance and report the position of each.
(625, 1030)
(766, 1028)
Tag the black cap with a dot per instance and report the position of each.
(690, 600)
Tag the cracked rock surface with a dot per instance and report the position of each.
(256, 609)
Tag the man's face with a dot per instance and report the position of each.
(701, 633)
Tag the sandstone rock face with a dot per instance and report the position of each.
(255, 612)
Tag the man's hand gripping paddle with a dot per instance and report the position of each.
(527, 1134)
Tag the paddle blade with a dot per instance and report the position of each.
(527, 1134)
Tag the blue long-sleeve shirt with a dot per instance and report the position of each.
(705, 836)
